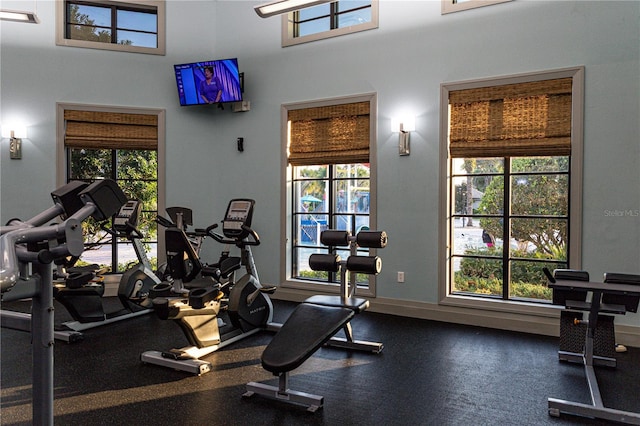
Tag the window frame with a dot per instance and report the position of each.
(287, 188)
(288, 28)
(62, 155)
(575, 189)
(451, 6)
(159, 5)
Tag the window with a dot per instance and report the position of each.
(329, 20)
(134, 26)
(512, 183)
(122, 145)
(449, 6)
(330, 183)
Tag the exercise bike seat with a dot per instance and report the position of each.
(222, 269)
(356, 304)
(308, 328)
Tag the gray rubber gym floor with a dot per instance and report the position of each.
(429, 373)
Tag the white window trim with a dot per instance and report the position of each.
(161, 14)
(575, 213)
(450, 6)
(61, 161)
(289, 40)
(285, 192)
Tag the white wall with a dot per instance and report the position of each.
(404, 62)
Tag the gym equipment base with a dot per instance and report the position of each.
(358, 345)
(81, 326)
(557, 406)
(282, 393)
(22, 322)
(193, 364)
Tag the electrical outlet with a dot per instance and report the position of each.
(400, 277)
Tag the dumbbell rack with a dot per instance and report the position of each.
(348, 269)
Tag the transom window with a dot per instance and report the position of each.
(136, 26)
(329, 20)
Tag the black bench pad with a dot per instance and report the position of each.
(614, 277)
(307, 329)
(354, 303)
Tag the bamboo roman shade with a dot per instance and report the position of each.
(110, 130)
(336, 134)
(513, 120)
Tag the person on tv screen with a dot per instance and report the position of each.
(210, 87)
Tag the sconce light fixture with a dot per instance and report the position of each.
(403, 126)
(15, 135)
(284, 6)
(16, 16)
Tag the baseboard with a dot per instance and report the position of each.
(524, 323)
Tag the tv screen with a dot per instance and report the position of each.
(210, 82)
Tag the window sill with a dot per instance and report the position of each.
(317, 288)
(504, 306)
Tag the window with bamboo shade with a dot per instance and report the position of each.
(511, 186)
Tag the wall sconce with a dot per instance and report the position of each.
(15, 135)
(403, 126)
(284, 6)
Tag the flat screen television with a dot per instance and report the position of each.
(208, 82)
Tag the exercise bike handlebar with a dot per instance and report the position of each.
(254, 241)
(100, 200)
(69, 231)
(163, 221)
(131, 232)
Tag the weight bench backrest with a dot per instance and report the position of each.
(182, 260)
(629, 302)
(308, 327)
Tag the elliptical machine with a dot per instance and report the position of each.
(83, 298)
(214, 316)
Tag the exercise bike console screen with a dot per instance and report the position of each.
(239, 214)
(129, 214)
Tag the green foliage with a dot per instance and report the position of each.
(84, 28)
(87, 29)
(483, 275)
(136, 171)
(466, 284)
(532, 194)
(314, 275)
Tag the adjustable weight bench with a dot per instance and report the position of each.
(316, 320)
(308, 328)
(618, 294)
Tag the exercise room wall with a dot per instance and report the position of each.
(404, 62)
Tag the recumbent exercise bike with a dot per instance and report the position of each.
(212, 308)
